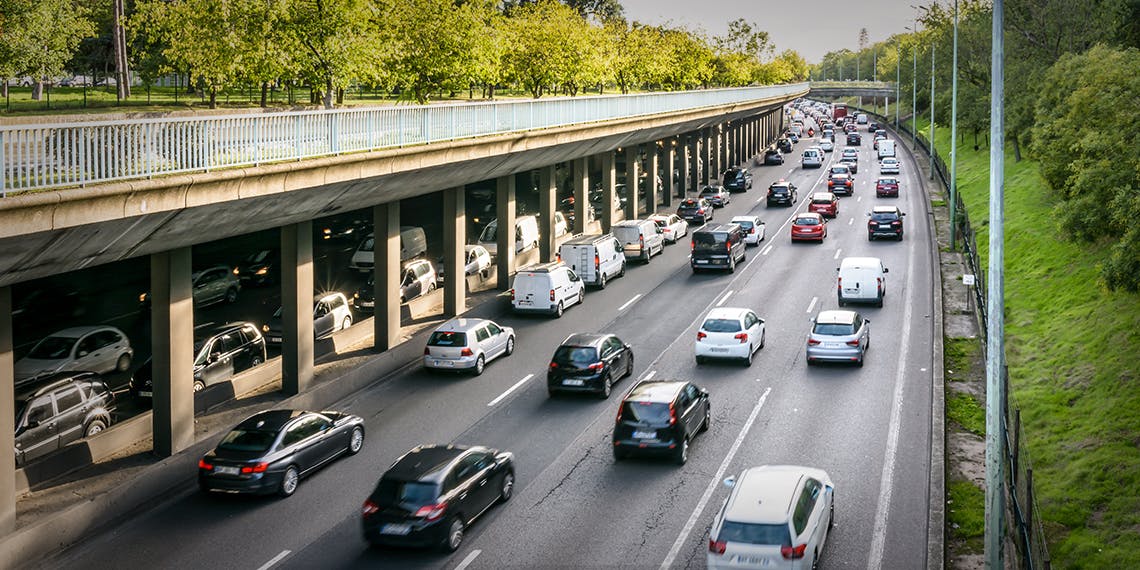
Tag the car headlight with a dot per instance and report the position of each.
(356, 295)
(237, 271)
(142, 298)
(265, 328)
(262, 271)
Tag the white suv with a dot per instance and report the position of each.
(730, 332)
(777, 516)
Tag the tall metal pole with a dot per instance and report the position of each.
(995, 325)
(914, 91)
(954, 138)
(932, 45)
(898, 78)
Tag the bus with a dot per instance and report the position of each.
(838, 111)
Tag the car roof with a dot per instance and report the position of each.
(715, 228)
(746, 219)
(809, 215)
(764, 495)
(727, 313)
(585, 339)
(885, 210)
(80, 331)
(629, 223)
(827, 195)
(543, 267)
(270, 420)
(211, 329)
(835, 316)
(49, 382)
(858, 262)
(426, 463)
(462, 325)
(712, 188)
(657, 391)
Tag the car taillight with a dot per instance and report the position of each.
(701, 211)
(672, 414)
(870, 223)
(427, 351)
(466, 352)
(742, 337)
(552, 294)
(896, 223)
(432, 512)
(618, 419)
(728, 246)
(879, 285)
(259, 468)
(830, 183)
(512, 294)
(717, 546)
(553, 365)
(203, 465)
(640, 243)
(853, 342)
(793, 552)
(597, 262)
(369, 508)
(812, 342)
(597, 366)
(753, 230)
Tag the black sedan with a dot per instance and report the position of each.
(270, 451)
(432, 494)
(589, 362)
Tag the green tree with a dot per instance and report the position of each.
(433, 45)
(40, 37)
(338, 42)
(688, 60)
(636, 53)
(545, 46)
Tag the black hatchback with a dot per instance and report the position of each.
(737, 179)
(782, 192)
(589, 362)
(431, 494)
(660, 418)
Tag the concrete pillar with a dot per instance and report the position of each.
(547, 197)
(609, 189)
(652, 195)
(297, 351)
(454, 256)
(707, 156)
(695, 158)
(684, 158)
(386, 275)
(670, 166)
(715, 162)
(734, 144)
(581, 175)
(7, 410)
(632, 175)
(172, 350)
(505, 239)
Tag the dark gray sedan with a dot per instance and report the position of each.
(270, 451)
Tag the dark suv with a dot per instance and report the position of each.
(660, 418)
(886, 221)
(737, 179)
(589, 362)
(782, 192)
(220, 352)
(719, 246)
(65, 406)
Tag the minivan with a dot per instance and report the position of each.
(596, 258)
(811, 158)
(639, 238)
(719, 246)
(526, 234)
(546, 288)
(862, 279)
(413, 243)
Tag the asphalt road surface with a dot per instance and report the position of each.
(573, 505)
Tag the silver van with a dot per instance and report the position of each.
(596, 258)
(639, 238)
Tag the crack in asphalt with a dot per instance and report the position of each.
(565, 478)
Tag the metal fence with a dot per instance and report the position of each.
(1032, 550)
(34, 157)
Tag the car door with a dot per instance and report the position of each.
(476, 468)
(218, 366)
(497, 339)
(39, 435)
(755, 327)
(576, 286)
(87, 354)
(322, 319)
(70, 413)
(409, 286)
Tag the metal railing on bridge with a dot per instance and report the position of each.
(37, 157)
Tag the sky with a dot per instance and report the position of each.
(812, 30)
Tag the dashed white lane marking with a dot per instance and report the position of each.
(812, 304)
(668, 562)
(630, 302)
(837, 252)
(509, 390)
(859, 199)
(275, 560)
(851, 221)
(468, 560)
(766, 251)
(724, 298)
(650, 375)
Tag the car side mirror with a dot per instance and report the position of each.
(32, 424)
(82, 353)
(886, 270)
(866, 321)
(730, 481)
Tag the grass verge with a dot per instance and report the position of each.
(966, 514)
(967, 412)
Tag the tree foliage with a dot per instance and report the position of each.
(39, 37)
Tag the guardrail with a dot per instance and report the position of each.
(36, 157)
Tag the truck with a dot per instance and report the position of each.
(838, 111)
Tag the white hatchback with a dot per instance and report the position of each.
(468, 344)
(889, 165)
(672, 226)
(730, 332)
(753, 228)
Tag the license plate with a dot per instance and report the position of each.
(525, 303)
(573, 382)
(400, 529)
(645, 435)
(367, 304)
(850, 290)
(718, 349)
(702, 261)
(146, 393)
(444, 363)
(884, 226)
(752, 560)
(274, 339)
(832, 345)
(224, 470)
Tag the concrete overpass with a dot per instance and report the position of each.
(837, 89)
(140, 212)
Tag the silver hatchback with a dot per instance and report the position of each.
(467, 344)
(838, 336)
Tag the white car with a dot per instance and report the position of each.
(730, 332)
(468, 344)
(826, 144)
(889, 165)
(92, 349)
(753, 228)
(478, 262)
(672, 226)
(777, 516)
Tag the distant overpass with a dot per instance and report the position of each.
(836, 89)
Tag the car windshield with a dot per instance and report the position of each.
(834, 329)
(408, 494)
(778, 189)
(721, 325)
(258, 257)
(248, 440)
(689, 205)
(821, 200)
(368, 244)
(576, 356)
(768, 534)
(709, 192)
(807, 221)
(744, 224)
(447, 338)
(709, 241)
(884, 216)
(887, 181)
(649, 412)
(53, 348)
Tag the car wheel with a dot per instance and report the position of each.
(454, 536)
(842, 303)
(559, 310)
(700, 360)
(510, 345)
(748, 359)
(480, 363)
(815, 561)
(648, 255)
(763, 334)
(430, 288)
(94, 427)
(355, 440)
(124, 363)
(602, 280)
(879, 301)
(507, 489)
(199, 386)
(859, 362)
(231, 295)
(708, 419)
(831, 515)
(683, 451)
(622, 272)
(607, 386)
(289, 481)
(347, 323)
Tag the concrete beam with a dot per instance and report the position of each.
(386, 275)
(547, 197)
(454, 237)
(581, 176)
(505, 240)
(7, 410)
(652, 196)
(172, 349)
(297, 307)
(609, 189)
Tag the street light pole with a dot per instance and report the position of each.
(898, 77)
(932, 45)
(954, 137)
(914, 91)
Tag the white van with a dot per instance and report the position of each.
(639, 238)
(811, 158)
(595, 258)
(546, 288)
(862, 280)
(886, 148)
(861, 119)
(526, 233)
(413, 244)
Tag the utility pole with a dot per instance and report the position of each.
(898, 77)
(932, 45)
(995, 301)
(914, 90)
(954, 137)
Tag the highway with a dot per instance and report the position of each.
(574, 506)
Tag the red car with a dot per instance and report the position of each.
(839, 182)
(824, 203)
(887, 186)
(809, 226)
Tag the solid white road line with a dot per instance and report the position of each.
(649, 375)
(712, 484)
(511, 389)
(275, 560)
(630, 302)
(468, 560)
(766, 251)
(837, 252)
(812, 304)
(724, 298)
